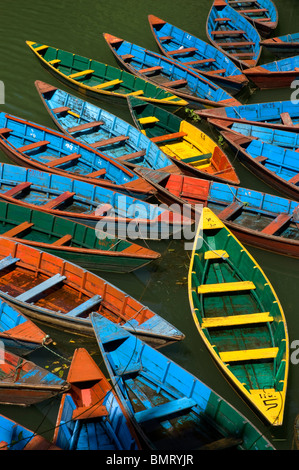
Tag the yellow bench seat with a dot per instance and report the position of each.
(216, 254)
(225, 287)
(80, 74)
(235, 320)
(108, 84)
(249, 354)
(148, 120)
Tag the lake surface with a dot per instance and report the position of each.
(78, 27)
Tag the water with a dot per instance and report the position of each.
(78, 27)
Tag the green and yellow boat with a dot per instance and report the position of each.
(97, 80)
(239, 318)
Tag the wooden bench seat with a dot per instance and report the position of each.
(86, 125)
(82, 73)
(215, 254)
(136, 93)
(184, 50)
(165, 410)
(65, 159)
(127, 56)
(261, 159)
(54, 62)
(220, 20)
(236, 320)
(97, 173)
(253, 10)
(109, 84)
(175, 83)
(233, 2)
(33, 293)
(113, 140)
(223, 287)
(103, 209)
(286, 119)
(243, 54)
(61, 109)
(5, 130)
(277, 224)
(55, 202)
(41, 48)
(166, 38)
(131, 156)
(33, 146)
(7, 262)
(148, 120)
(236, 32)
(17, 230)
(199, 62)
(231, 210)
(197, 158)
(85, 306)
(62, 241)
(156, 68)
(217, 72)
(236, 44)
(249, 355)
(17, 189)
(165, 137)
(294, 179)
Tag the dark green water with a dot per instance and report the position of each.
(78, 27)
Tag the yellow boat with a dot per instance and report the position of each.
(239, 318)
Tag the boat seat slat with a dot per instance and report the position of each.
(8, 261)
(243, 54)
(216, 254)
(55, 202)
(31, 294)
(131, 156)
(222, 19)
(253, 10)
(235, 44)
(248, 355)
(223, 287)
(217, 72)
(17, 230)
(165, 410)
(148, 120)
(184, 50)
(90, 303)
(173, 136)
(294, 179)
(54, 61)
(108, 84)
(97, 173)
(286, 119)
(236, 32)
(175, 83)
(61, 109)
(33, 145)
(113, 140)
(197, 158)
(5, 130)
(198, 62)
(136, 93)
(62, 241)
(236, 320)
(155, 68)
(276, 224)
(82, 73)
(17, 189)
(261, 159)
(103, 209)
(41, 48)
(127, 56)
(86, 125)
(230, 210)
(65, 159)
(166, 38)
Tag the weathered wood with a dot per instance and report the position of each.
(113, 140)
(276, 224)
(17, 189)
(87, 125)
(65, 159)
(53, 203)
(230, 210)
(17, 230)
(33, 145)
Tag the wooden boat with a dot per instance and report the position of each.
(14, 436)
(170, 407)
(24, 383)
(262, 14)
(282, 45)
(19, 334)
(278, 74)
(35, 146)
(275, 165)
(91, 416)
(239, 318)
(193, 151)
(71, 240)
(114, 137)
(62, 294)
(233, 35)
(275, 115)
(99, 80)
(256, 218)
(198, 55)
(197, 90)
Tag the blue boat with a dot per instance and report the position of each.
(233, 34)
(276, 166)
(262, 14)
(274, 115)
(158, 69)
(90, 415)
(14, 436)
(18, 334)
(287, 45)
(170, 407)
(278, 74)
(36, 146)
(90, 124)
(194, 53)
(116, 214)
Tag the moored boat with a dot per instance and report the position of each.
(71, 240)
(286, 45)
(62, 294)
(99, 80)
(256, 218)
(198, 55)
(192, 150)
(18, 333)
(199, 91)
(170, 407)
(24, 383)
(90, 415)
(262, 14)
(233, 34)
(35, 146)
(278, 74)
(111, 213)
(239, 318)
